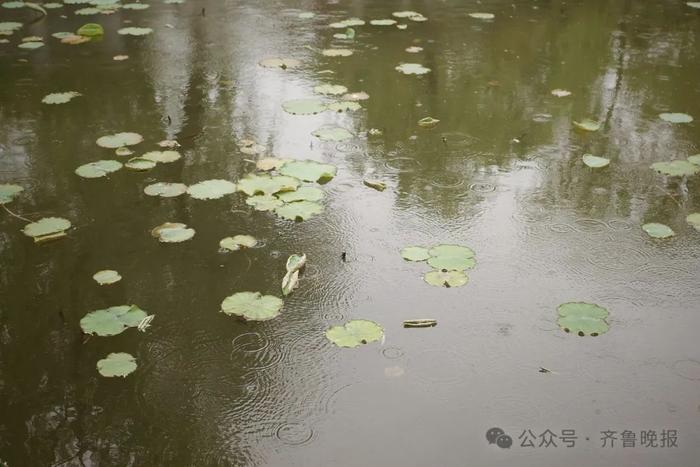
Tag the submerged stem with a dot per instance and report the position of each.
(15, 215)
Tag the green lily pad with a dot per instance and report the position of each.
(88, 11)
(332, 133)
(676, 117)
(123, 151)
(336, 52)
(165, 190)
(31, 45)
(237, 242)
(139, 164)
(295, 262)
(162, 156)
(678, 168)
(695, 159)
(560, 93)
(482, 15)
(10, 26)
(306, 15)
(52, 5)
(415, 253)
(283, 63)
(343, 106)
(264, 202)
(254, 184)
(694, 220)
(304, 193)
(405, 14)
(656, 230)
(118, 140)
(46, 228)
(347, 23)
(428, 122)
(117, 364)
(595, 162)
(412, 69)
(269, 163)
(8, 192)
(446, 278)
(330, 89)
(90, 30)
(304, 106)
(211, 189)
(584, 319)
(299, 210)
(112, 321)
(451, 257)
(290, 282)
(107, 277)
(98, 169)
(309, 171)
(135, 6)
(60, 97)
(134, 31)
(382, 22)
(354, 333)
(252, 306)
(13, 5)
(376, 184)
(587, 125)
(172, 232)
(693, 4)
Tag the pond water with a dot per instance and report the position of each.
(501, 172)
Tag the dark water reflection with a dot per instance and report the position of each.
(546, 229)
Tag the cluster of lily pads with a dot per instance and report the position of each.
(448, 262)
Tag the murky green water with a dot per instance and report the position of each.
(501, 173)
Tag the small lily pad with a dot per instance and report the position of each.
(90, 30)
(678, 168)
(695, 159)
(587, 125)
(237, 242)
(309, 171)
(414, 49)
(405, 14)
(295, 262)
(415, 253)
(140, 164)
(428, 122)
(8, 192)
(304, 193)
(347, 23)
(330, 89)
(117, 364)
(123, 151)
(694, 220)
(264, 202)
(693, 4)
(283, 63)
(47, 228)
(446, 278)
(270, 163)
(112, 321)
(451, 257)
(60, 97)
(304, 106)
(412, 69)
(336, 52)
(31, 45)
(376, 184)
(584, 319)
(354, 333)
(265, 184)
(656, 230)
(119, 139)
(290, 282)
(332, 133)
(211, 189)
(676, 117)
(107, 277)
(135, 6)
(482, 15)
(134, 31)
(252, 306)
(165, 190)
(162, 156)
(98, 169)
(561, 93)
(299, 210)
(382, 22)
(595, 162)
(172, 232)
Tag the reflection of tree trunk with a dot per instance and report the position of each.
(621, 48)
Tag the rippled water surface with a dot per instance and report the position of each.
(501, 173)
